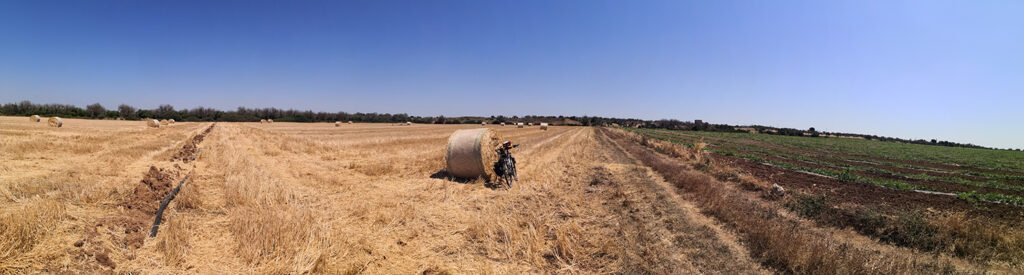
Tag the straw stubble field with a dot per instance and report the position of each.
(374, 198)
(294, 198)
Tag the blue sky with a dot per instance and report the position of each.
(951, 70)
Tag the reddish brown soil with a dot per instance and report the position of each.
(888, 200)
(189, 150)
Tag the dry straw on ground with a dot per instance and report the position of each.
(55, 122)
(470, 153)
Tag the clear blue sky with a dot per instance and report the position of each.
(921, 69)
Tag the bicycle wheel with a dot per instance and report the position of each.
(509, 173)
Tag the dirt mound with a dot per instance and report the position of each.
(191, 148)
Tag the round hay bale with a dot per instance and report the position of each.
(349, 122)
(337, 124)
(163, 122)
(544, 126)
(153, 123)
(170, 121)
(34, 118)
(471, 153)
(270, 121)
(529, 124)
(519, 125)
(263, 121)
(408, 123)
(502, 124)
(483, 123)
(55, 122)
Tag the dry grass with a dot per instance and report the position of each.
(780, 239)
(370, 198)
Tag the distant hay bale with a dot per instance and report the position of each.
(153, 123)
(349, 122)
(471, 153)
(483, 123)
(270, 121)
(34, 118)
(408, 123)
(529, 124)
(163, 122)
(263, 121)
(544, 126)
(55, 122)
(502, 124)
(519, 125)
(337, 124)
(170, 121)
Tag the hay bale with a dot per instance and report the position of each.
(170, 121)
(163, 122)
(483, 123)
(529, 124)
(519, 125)
(349, 122)
(502, 124)
(471, 153)
(55, 122)
(408, 123)
(263, 121)
(153, 123)
(34, 118)
(337, 124)
(544, 126)
(270, 121)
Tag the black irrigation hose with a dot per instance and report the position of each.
(163, 205)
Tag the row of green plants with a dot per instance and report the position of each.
(921, 176)
(998, 159)
(845, 174)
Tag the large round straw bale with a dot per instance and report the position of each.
(163, 122)
(153, 123)
(544, 126)
(349, 122)
(408, 123)
(471, 153)
(34, 118)
(502, 124)
(270, 121)
(337, 123)
(56, 122)
(529, 124)
(519, 125)
(483, 123)
(170, 121)
(263, 121)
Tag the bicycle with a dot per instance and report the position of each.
(505, 168)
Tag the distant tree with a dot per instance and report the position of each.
(811, 130)
(95, 110)
(934, 141)
(127, 112)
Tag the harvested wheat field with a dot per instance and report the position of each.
(372, 198)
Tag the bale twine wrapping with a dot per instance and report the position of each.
(544, 126)
(34, 118)
(55, 122)
(471, 153)
(163, 122)
(519, 125)
(263, 121)
(153, 123)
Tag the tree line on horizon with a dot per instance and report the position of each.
(243, 114)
